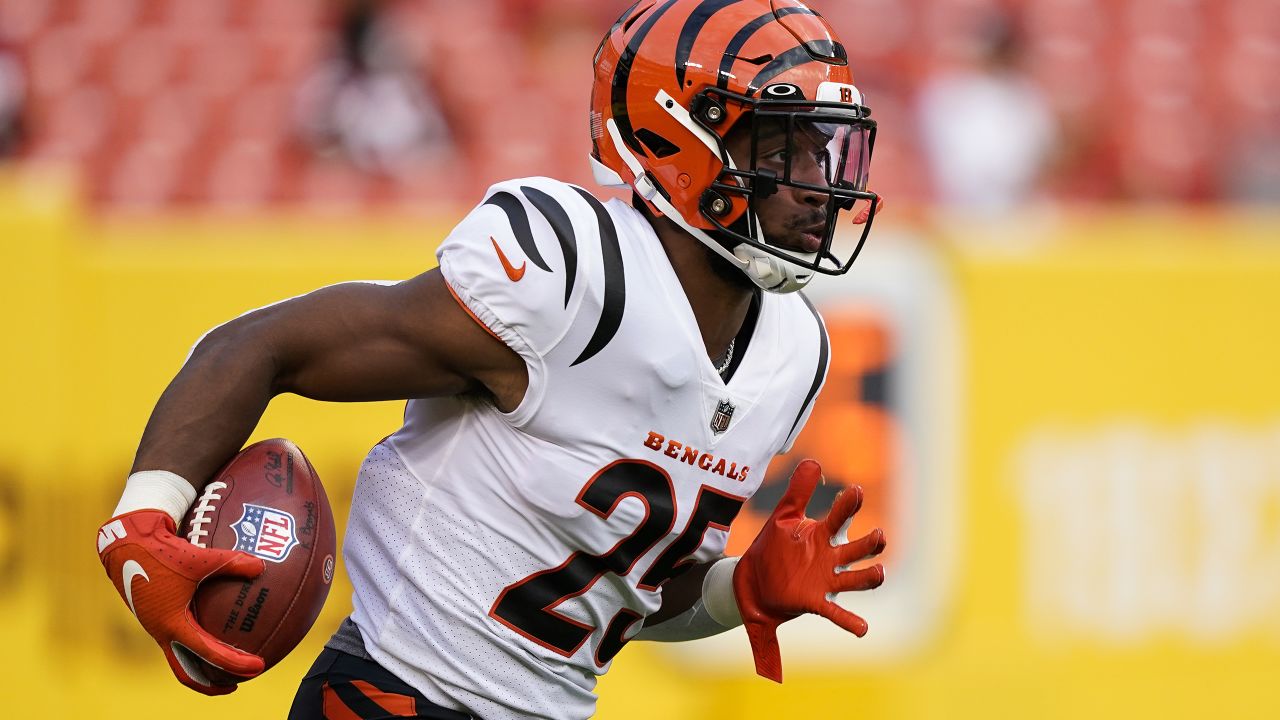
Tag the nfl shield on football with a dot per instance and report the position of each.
(267, 502)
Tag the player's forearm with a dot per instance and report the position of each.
(680, 593)
(210, 408)
(691, 613)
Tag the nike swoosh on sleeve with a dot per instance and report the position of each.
(515, 273)
(132, 570)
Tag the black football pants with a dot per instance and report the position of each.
(340, 686)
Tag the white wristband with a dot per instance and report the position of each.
(717, 593)
(157, 490)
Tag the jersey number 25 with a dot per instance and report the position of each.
(528, 606)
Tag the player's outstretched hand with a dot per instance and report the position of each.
(865, 213)
(795, 566)
(157, 572)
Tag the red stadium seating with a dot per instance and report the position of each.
(188, 102)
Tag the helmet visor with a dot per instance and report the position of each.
(849, 150)
(822, 152)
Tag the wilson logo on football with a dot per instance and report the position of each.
(266, 532)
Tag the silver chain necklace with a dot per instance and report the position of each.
(728, 358)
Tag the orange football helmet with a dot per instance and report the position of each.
(672, 77)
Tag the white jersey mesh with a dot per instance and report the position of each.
(463, 512)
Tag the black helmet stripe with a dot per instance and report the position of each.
(689, 34)
(622, 20)
(743, 35)
(624, 17)
(622, 78)
(815, 51)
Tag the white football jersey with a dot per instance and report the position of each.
(500, 560)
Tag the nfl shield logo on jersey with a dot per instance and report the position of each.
(265, 532)
(724, 413)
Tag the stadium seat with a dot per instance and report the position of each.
(199, 79)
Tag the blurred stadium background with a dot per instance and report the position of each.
(1056, 366)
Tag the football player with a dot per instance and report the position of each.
(595, 389)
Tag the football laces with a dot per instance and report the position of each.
(200, 514)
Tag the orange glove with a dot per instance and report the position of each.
(157, 572)
(865, 213)
(793, 566)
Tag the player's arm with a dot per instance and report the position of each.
(356, 341)
(680, 595)
(683, 614)
(348, 342)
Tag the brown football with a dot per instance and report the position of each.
(268, 502)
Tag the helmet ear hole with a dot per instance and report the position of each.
(657, 145)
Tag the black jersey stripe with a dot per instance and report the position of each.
(742, 341)
(615, 287)
(824, 356)
(563, 227)
(692, 28)
(519, 219)
(742, 36)
(622, 78)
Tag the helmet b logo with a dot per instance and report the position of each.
(846, 95)
(720, 420)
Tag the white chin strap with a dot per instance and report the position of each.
(769, 272)
(772, 272)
